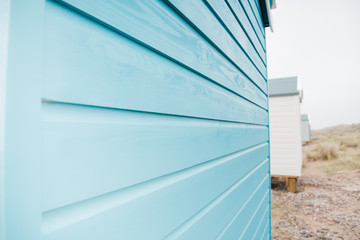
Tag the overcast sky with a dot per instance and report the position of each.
(319, 41)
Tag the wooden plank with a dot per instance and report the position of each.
(151, 205)
(241, 15)
(262, 225)
(112, 144)
(260, 32)
(284, 150)
(257, 3)
(105, 67)
(291, 186)
(209, 223)
(287, 169)
(229, 20)
(290, 182)
(283, 176)
(147, 22)
(238, 224)
(267, 232)
(257, 14)
(199, 15)
(252, 225)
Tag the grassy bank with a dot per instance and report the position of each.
(334, 149)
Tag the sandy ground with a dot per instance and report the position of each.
(324, 207)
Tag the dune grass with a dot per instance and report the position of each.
(337, 148)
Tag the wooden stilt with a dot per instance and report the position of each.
(291, 184)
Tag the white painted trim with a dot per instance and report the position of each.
(273, 5)
(268, 8)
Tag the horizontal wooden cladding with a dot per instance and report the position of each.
(285, 125)
(240, 223)
(260, 31)
(285, 171)
(284, 100)
(283, 149)
(290, 119)
(285, 110)
(287, 163)
(262, 224)
(101, 150)
(261, 210)
(156, 26)
(286, 140)
(287, 143)
(201, 17)
(287, 131)
(284, 103)
(212, 221)
(266, 234)
(257, 4)
(159, 205)
(88, 64)
(289, 108)
(170, 201)
(283, 157)
(224, 13)
(241, 15)
(257, 14)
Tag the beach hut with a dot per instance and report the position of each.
(285, 129)
(134, 120)
(305, 128)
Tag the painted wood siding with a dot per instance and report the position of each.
(305, 130)
(134, 120)
(285, 135)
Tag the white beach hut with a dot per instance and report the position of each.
(285, 129)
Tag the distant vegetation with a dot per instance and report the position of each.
(337, 148)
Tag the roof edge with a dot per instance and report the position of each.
(305, 117)
(284, 94)
(266, 6)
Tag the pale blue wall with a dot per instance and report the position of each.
(305, 130)
(135, 120)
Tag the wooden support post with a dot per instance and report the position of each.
(291, 184)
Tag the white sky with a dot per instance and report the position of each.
(319, 41)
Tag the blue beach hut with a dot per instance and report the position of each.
(134, 120)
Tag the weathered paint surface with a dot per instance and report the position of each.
(133, 120)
